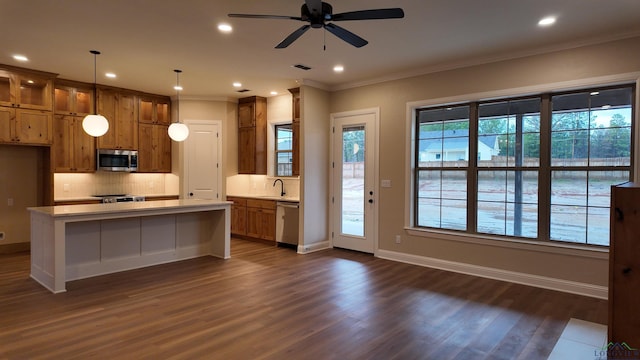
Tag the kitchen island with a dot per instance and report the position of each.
(71, 242)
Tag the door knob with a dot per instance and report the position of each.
(190, 194)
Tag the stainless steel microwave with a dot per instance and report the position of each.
(117, 160)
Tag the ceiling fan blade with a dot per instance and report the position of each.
(294, 35)
(346, 35)
(253, 16)
(314, 6)
(375, 14)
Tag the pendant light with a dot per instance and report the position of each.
(95, 125)
(178, 131)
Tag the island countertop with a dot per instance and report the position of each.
(70, 242)
(128, 207)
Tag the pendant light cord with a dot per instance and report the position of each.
(178, 93)
(95, 86)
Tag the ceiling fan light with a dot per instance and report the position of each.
(178, 131)
(95, 125)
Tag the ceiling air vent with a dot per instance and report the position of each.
(243, 90)
(303, 67)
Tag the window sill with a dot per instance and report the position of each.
(512, 243)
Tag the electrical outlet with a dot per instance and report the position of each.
(398, 239)
(1, 235)
(10, 202)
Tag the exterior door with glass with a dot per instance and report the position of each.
(353, 180)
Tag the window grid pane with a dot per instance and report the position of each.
(508, 203)
(283, 150)
(442, 160)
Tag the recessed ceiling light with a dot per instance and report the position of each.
(605, 107)
(30, 81)
(20, 58)
(547, 21)
(177, 87)
(274, 93)
(225, 28)
(237, 84)
(595, 93)
(110, 75)
(338, 68)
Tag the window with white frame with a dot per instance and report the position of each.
(283, 150)
(544, 166)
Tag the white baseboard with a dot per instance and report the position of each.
(309, 248)
(573, 287)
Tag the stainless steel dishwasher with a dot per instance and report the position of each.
(287, 222)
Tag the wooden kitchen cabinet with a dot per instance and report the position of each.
(73, 150)
(23, 88)
(73, 98)
(238, 215)
(25, 126)
(121, 110)
(155, 110)
(252, 135)
(261, 219)
(624, 265)
(25, 106)
(154, 148)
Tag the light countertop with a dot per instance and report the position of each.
(267, 197)
(126, 207)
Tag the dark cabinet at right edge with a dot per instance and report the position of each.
(624, 265)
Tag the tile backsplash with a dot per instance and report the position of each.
(69, 186)
(261, 185)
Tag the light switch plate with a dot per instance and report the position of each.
(385, 183)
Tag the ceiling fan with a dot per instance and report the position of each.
(319, 14)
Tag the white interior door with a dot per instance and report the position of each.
(353, 180)
(202, 160)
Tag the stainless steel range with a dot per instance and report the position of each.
(116, 198)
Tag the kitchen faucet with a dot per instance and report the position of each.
(282, 193)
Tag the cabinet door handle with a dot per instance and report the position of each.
(626, 270)
(619, 214)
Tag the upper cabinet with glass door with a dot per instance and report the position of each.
(73, 98)
(154, 110)
(21, 88)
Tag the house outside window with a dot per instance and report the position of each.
(283, 150)
(544, 167)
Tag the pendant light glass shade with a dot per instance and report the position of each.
(178, 131)
(95, 125)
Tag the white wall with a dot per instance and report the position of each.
(314, 168)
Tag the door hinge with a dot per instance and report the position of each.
(332, 234)
(333, 200)
(333, 165)
(217, 134)
(217, 165)
(333, 129)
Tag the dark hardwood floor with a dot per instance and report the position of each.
(270, 303)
